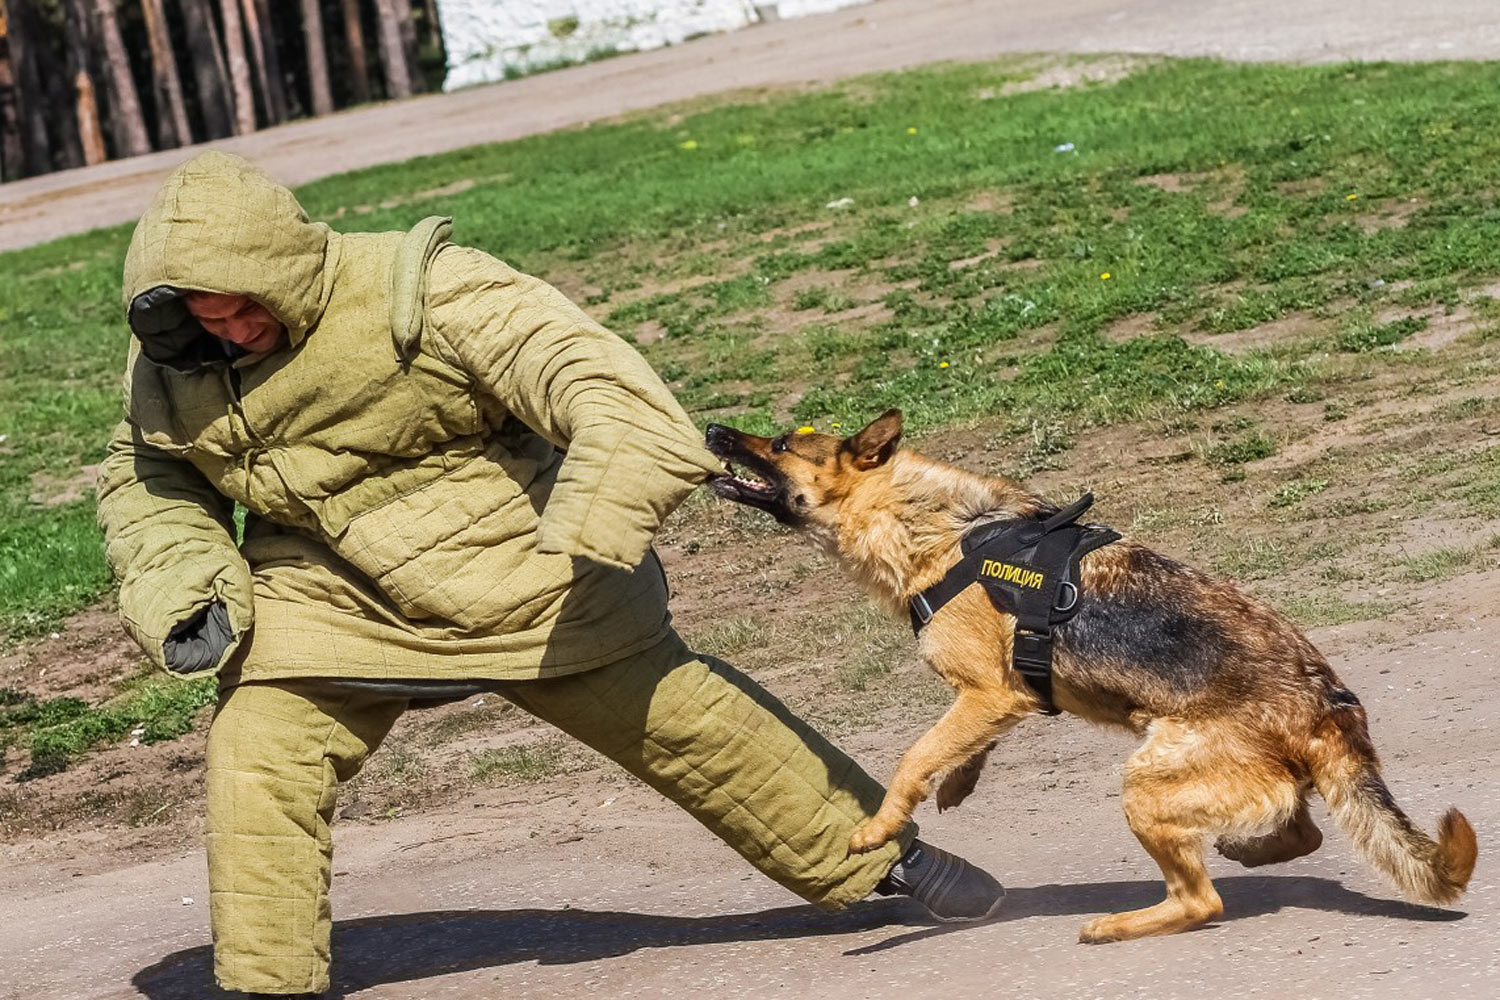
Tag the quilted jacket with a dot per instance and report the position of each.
(447, 469)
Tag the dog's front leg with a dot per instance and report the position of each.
(965, 730)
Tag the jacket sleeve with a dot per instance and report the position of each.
(169, 538)
(632, 453)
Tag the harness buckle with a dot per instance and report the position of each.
(1032, 655)
(920, 609)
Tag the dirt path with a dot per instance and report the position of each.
(580, 888)
(888, 34)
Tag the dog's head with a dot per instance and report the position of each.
(800, 478)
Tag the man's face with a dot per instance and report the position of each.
(238, 319)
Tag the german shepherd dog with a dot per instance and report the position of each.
(1240, 716)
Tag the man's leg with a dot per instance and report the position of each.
(717, 744)
(276, 753)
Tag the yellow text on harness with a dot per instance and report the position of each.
(1032, 579)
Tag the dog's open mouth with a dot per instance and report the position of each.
(742, 484)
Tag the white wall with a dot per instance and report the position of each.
(487, 38)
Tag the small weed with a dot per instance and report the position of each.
(1205, 517)
(1440, 563)
(1249, 448)
(1325, 607)
(1335, 410)
(1466, 408)
(517, 763)
(1293, 493)
(1351, 506)
(810, 298)
(1149, 519)
(1046, 442)
(1234, 424)
(730, 638)
(864, 669)
(1367, 336)
(463, 721)
(1334, 573)
(1255, 559)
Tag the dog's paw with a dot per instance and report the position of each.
(870, 836)
(1101, 930)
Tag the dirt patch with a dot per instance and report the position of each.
(457, 187)
(650, 332)
(992, 248)
(863, 294)
(1068, 74)
(1444, 326)
(150, 795)
(1392, 214)
(804, 230)
(1131, 327)
(1172, 183)
(48, 490)
(994, 202)
(1299, 325)
(86, 658)
(1392, 420)
(1305, 187)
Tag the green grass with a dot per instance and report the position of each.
(1441, 563)
(1325, 607)
(1293, 493)
(58, 729)
(690, 220)
(517, 763)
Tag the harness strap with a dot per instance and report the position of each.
(1030, 568)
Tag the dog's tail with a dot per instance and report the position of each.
(1347, 775)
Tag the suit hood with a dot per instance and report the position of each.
(220, 224)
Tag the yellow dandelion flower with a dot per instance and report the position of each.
(943, 364)
(804, 429)
(1350, 197)
(912, 130)
(689, 144)
(1105, 276)
(1218, 383)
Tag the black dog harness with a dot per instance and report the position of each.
(1029, 567)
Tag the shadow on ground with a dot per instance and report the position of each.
(1244, 896)
(414, 946)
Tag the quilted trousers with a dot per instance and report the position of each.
(700, 732)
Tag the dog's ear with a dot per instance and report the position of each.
(874, 444)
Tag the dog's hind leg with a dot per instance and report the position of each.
(958, 783)
(1299, 836)
(1184, 784)
(972, 721)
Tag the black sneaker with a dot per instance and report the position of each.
(948, 886)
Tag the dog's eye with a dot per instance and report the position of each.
(778, 445)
